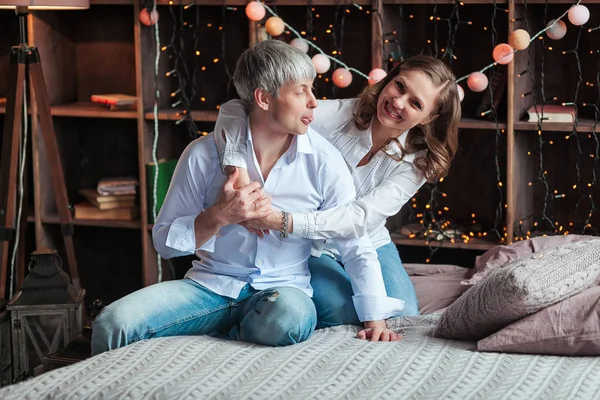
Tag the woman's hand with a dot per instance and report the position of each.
(377, 331)
(262, 226)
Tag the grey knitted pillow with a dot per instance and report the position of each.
(521, 288)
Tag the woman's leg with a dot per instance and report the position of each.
(397, 281)
(172, 308)
(333, 290)
(332, 293)
(279, 316)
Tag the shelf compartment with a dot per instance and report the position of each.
(91, 110)
(583, 125)
(470, 123)
(175, 115)
(135, 224)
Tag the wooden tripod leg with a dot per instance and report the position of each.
(9, 162)
(55, 165)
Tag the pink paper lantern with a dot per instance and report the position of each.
(148, 18)
(274, 26)
(342, 77)
(558, 31)
(461, 92)
(376, 75)
(503, 53)
(579, 15)
(477, 81)
(300, 44)
(519, 39)
(255, 11)
(321, 63)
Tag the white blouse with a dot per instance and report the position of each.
(383, 185)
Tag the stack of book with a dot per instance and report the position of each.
(112, 199)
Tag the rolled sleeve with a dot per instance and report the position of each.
(230, 134)
(182, 236)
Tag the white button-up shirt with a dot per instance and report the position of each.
(383, 186)
(310, 176)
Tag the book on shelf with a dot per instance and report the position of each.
(166, 168)
(115, 101)
(552, 113)
(117, 186)
(86, 210)
(108, 202)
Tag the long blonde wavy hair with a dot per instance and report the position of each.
(439, 138)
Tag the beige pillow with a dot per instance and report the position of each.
(501, 255)
(521, 288)
(568, 328)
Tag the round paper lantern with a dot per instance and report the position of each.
(376, 75)
(321, 63)
(148, 18)
(519, 39)
(579, 15)
(255, 11)
(300, 44)
(342, 77)
(558, 31)
(461, 92)
(274, 26)
(503, 53)
(477, 82)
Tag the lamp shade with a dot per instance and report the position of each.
(46, 4)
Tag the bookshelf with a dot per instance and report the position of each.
(106, 50)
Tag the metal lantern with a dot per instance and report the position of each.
(5, 352)
(46, 314)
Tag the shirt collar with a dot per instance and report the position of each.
(300, 144)
(367, 135)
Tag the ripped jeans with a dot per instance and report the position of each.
(278, 316)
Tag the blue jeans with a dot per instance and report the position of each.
(333, 291)
(278, 316)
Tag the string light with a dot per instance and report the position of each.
(433, 218)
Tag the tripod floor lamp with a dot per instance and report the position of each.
(25, 70)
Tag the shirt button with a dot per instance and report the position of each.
(259, 263)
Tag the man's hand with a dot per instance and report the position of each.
(376, 331)
(237, 205)
(243, 179)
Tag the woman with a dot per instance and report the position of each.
(399, 133)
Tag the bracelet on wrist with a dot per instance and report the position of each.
(283, 232)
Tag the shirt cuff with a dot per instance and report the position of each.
(304, 225)
(235, 156)
(182, 236)
(376, 308)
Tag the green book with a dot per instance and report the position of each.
(165, 173)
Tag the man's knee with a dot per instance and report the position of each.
(110, 329)
(284, 316)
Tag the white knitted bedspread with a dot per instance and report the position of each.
(331, 365)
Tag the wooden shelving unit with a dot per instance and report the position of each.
(106, 50)
(84, 109)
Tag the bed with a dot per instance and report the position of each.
(331, 364)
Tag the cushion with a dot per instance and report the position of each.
(437, 285)
(568, 328)
(501, 255)
(521, 288)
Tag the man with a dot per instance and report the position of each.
(249, 288)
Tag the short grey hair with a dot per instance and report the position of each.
(269, 65)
